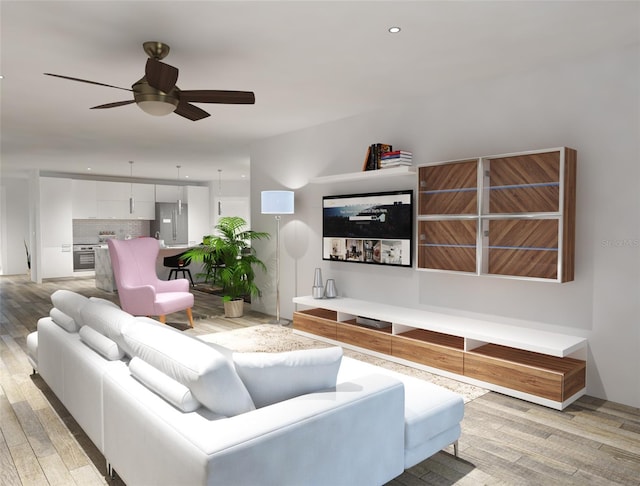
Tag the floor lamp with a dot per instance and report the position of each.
(277, 202)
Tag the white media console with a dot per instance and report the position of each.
(539, 366)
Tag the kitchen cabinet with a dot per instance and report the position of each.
(145, 204)
(84, 199)
(168, 193)
(113, 200)
(56, 228)
(199, 215)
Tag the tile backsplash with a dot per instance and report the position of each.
(87, 230)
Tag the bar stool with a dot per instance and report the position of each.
(178, 263)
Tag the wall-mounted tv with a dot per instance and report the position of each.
(375, 228)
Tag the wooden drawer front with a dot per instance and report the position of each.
(428, 354)
(315, 325)
(537, 382)
(574, 381)
(541, 375)
(372, 339)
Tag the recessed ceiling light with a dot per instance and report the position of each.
(394, 30)
(88, 168)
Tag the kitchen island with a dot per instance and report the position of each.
(105, 279)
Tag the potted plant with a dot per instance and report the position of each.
(229, 261)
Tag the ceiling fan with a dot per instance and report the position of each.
(157, 94)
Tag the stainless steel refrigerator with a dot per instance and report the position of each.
(169, 226)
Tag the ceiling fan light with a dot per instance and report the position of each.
(157, 107)
(155, 102)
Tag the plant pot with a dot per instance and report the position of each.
(234, 308)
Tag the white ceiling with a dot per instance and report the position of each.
(307, 62)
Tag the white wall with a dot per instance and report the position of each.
(14, 226)
(592, 106)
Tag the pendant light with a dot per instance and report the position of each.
(179, 203)
(132, 202)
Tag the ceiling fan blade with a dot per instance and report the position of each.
(218, 96)
(160, 75)
(86, 81)
(113, 105)
(190, 111)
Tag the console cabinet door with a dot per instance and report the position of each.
(509, 215)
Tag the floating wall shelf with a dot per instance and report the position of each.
(363, 175)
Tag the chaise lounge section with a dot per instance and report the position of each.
(166, 408)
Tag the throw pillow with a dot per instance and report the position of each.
(101, 344)
(63, 320)
(274, 377)
(173, 392)
(206, 372)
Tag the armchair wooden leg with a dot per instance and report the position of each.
(162, 319)
(190, 316)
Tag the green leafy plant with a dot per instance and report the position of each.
(229, 259)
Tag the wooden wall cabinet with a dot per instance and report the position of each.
(539, 366)
(509, 215)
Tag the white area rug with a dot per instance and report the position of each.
(272, 339)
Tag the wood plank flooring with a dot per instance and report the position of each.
(504, 440)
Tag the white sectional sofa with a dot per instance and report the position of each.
(165, 408)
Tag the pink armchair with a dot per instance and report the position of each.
(141, 292)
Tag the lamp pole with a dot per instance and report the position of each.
(277, 321)
(277, 203)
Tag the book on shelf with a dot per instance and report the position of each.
(396, 159)
(396, 164)
(365, 165)
(374, 155)
(397, 153)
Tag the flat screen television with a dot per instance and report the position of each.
(374, 228)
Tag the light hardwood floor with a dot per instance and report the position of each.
(504, 440)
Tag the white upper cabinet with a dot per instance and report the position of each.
(199, 215)
(110, 200)
(144, 206)
(84, 199)
(170, 193)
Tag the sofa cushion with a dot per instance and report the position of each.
(70, 303)
(108, 321)
(99, 300)
(206, 372)
(173, 392)
(424, 417)
(101, 344)
(274, 377)
(66, 322)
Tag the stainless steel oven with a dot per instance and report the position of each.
(84, 258)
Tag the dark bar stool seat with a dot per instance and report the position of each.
(178, 263)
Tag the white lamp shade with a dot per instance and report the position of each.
(277, 202)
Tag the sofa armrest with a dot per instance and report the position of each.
(353, 434)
